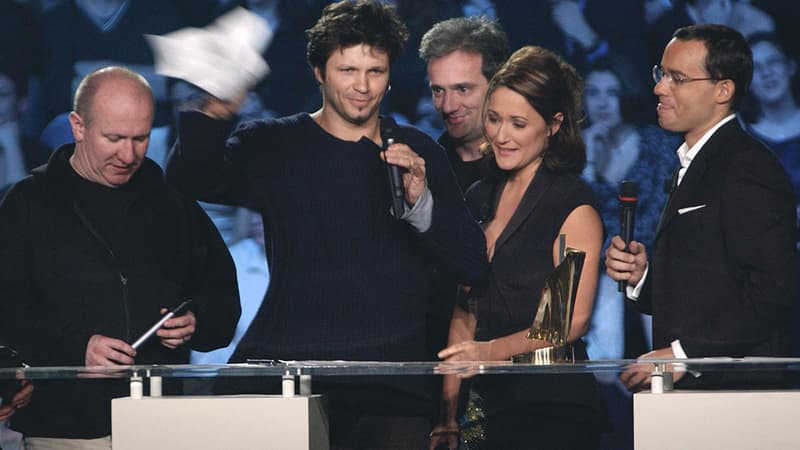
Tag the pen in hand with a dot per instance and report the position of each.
(170, 314)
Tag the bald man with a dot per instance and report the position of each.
(95, 248)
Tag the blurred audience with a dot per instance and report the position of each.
(22, 51)
(18, 152)
(737, 14)
(785, 14)
(772, 113)
(579, 30)
(82, 35)
(619, 147)
(290, 86)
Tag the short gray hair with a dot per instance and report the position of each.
(479, 35)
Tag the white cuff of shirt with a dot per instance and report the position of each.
(680, 353)
(677, 349)
(633, 292)
(421, 214)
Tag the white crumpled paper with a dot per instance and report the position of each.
(224, 58)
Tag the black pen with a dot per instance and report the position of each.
(170, 314)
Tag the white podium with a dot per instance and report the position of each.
(709, 420)
(673, 420)
(241, 422)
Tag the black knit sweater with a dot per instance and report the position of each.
(348, 280)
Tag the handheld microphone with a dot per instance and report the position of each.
(628, 192)
(398, 191)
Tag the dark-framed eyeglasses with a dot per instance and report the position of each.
(675, 79)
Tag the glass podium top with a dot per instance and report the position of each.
(373, 368)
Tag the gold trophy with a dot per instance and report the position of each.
(554, 314)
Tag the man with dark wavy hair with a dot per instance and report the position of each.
(349, 279)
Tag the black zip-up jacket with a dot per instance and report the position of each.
(62, 280)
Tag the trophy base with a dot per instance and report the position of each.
(546, 355)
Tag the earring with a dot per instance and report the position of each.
(388, 88)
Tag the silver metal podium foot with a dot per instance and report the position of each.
(305, 384)
(155, 386)
(287, 386)
(137, 390)
(660, 379)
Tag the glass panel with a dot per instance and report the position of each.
(362, 368)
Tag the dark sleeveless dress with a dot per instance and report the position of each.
(531, 411)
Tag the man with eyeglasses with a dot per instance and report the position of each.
(719, 278)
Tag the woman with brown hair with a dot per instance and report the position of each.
(535, 148)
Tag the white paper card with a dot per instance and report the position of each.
(224, 58)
